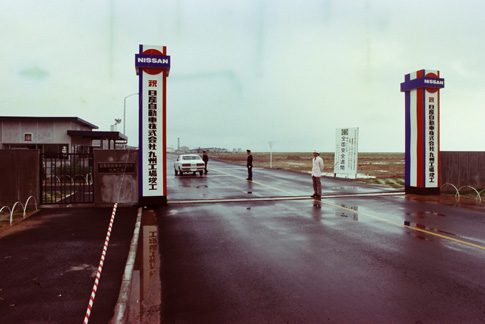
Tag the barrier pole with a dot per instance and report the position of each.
(100, 267)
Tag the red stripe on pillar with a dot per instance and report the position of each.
(164, 133)
(420, 138)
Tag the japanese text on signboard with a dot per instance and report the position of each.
(152, 136)
(346, 151)
(431, 141)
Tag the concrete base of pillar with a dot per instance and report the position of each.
(422, 191)
(152, 202)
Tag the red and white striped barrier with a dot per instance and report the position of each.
(100, 268)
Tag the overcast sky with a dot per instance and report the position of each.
(247, 72)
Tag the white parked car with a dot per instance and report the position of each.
(189, 163)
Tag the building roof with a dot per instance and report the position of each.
(32, 118)
(98, 134)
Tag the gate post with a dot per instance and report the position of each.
(422, 109)
(152, 66)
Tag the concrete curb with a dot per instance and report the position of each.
(121, 307)
(5, 227)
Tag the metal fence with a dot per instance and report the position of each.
(66, 178)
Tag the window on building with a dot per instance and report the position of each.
(28, 137)
(81, 149)
(55, 150)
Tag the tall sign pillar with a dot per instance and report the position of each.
(152, 66)
(422, 106)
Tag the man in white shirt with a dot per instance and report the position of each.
(316, 174)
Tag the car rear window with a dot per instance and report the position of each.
(186, 158)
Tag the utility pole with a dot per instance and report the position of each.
(270, 154)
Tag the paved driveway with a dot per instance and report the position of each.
(48, 265)
(234, 251)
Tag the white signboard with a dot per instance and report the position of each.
(346, 150)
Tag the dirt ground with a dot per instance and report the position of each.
(378, 168)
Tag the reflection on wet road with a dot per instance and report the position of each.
(349, 191)
(235, 251)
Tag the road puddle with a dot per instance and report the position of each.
(145, 296)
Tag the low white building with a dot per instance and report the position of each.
(56, 135)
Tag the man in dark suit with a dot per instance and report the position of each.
(250, 166)
(205, 158)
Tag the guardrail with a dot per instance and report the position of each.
(457, 194)
(49, 178)
(87, 178)
(23, 207)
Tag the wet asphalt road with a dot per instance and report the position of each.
(48, 264)
(349, 259)
(234, 251)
